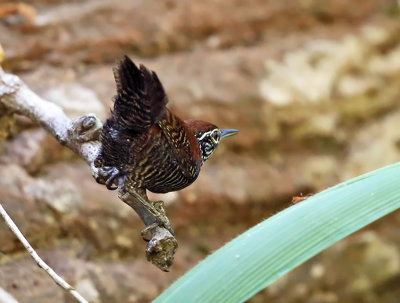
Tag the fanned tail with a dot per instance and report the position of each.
(140, 101)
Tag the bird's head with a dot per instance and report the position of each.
(208, 136)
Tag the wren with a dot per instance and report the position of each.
(147, 146)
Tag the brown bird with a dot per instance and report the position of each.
(148, 147)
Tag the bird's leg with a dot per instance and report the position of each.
(151, 213)
(158, 233)
(148, 231)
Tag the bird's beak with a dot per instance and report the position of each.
(228, 132)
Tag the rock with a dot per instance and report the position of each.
(374, 146)
(7, 123)
(26, 150)
(317, 271)
(318, 171)
(61, 194)
(1, 54)
(324, 297)
(320, 111)
(379, 262)
(387, 64)
(76, 100)
(318, 65)
(56, 36)
(350, 66)
(241, 181)
(353, 85)
(15, 178)
(87, 289)
(33, 149)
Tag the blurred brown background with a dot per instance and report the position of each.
(313, 86)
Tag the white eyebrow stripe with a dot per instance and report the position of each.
(205, 134)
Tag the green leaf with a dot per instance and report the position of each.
(270, 249)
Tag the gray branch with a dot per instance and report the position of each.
(39, 261)
(82, 136)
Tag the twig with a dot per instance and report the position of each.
(5, 297)
(60, 281)
(82, 136)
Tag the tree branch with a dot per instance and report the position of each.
(82, 136)
(60, 281)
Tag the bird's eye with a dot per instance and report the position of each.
(215, 136)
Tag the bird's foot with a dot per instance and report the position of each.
(159, 206)
(110, 176)
(152, 213)
(86, 128)
(157, 209)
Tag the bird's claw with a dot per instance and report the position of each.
(86, 128)
(158, 210)
(159, 206)
(110, 176)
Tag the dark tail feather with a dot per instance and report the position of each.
(140, 100)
